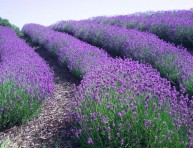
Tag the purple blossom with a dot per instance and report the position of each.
(119, 114)
(108, 129)
(122, 141)
(164, 123)
(90, 141)
(154, 105)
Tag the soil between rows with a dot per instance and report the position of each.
(50, 128)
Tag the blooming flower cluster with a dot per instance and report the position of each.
(25, 79)
(173, 26)
(175, 64)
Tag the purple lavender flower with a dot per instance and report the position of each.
(90, 141)
(108, 129)
(122, 141)
(119, 114)
(154, 105)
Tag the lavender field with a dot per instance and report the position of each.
(120, 81)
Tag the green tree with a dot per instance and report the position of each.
(5, 22)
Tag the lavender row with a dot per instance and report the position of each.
(127, 104)
(80, 57)
(169, 14)
(25, 79)
(175, 64)
(118, 94)
(171, 26)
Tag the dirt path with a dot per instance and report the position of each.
(49, 129)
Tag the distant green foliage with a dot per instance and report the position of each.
(5, 22)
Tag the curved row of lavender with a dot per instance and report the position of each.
(127, 104)
(168, 13)
(175, 64)
(174, 27)
(122, 103)
(25, 79)
(80, 57)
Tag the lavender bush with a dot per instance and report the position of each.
(173, 26)
(175, 64)
(25, 80)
